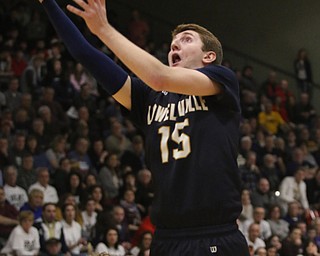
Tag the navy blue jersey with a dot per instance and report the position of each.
(191, 150)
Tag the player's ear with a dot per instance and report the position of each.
(209, 57)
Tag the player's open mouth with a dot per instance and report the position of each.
(175, 58)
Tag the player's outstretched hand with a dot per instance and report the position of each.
(93, 12)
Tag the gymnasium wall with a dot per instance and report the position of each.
(271, 31)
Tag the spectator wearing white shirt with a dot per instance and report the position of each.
(111, 245)
(24, 238)
(50, 193)
(253, 238)
(258, 218)
(72, 230)
(15, 194)
(50, 228)
(294, 189)
(89, 217)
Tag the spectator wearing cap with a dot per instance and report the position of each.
(53, 247)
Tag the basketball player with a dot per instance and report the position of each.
(190, 114)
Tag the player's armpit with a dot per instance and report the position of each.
(123, 96)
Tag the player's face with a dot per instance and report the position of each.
(186, 50)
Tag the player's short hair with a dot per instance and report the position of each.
(210, 41)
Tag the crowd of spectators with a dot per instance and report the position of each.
(73, 175)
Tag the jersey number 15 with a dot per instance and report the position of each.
(179, 138)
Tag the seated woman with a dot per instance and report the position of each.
(89, 216)
(75, 186)
(102, 202)
(144, 246)
(24, 238)
(72, 231)
(278, 226)
(311, 249)
(110, 244)
(34, 204)
(132, 211)
(68, 199)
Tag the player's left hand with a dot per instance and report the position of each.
(94, 13)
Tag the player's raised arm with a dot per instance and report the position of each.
(113, 78)
(185, 56)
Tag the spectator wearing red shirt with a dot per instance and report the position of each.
(8, 217)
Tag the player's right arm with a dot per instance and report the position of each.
(112, 77)
(150, 70)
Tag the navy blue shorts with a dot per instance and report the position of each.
(224, 240)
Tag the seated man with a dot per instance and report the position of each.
(50, 228)
(49, 192)
(253, 238)
(258, 218)
(15, 194)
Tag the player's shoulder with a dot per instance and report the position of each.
(219, 73)
(218, 68)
